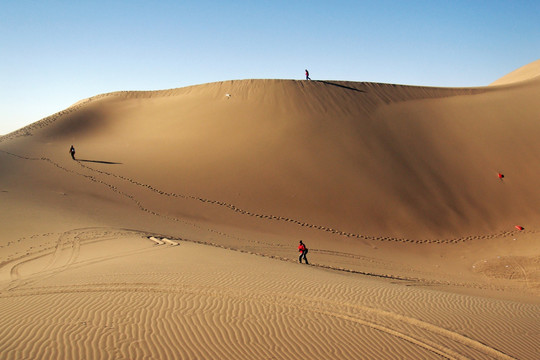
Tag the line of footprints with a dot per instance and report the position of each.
(162, 241)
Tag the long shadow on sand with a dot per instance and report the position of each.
(100, 162)
(340, 85)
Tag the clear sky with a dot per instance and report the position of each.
(54, 53)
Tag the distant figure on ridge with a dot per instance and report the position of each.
(307, 75)
(72, 152)
(303, 251)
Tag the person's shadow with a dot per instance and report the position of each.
(340, 85)
(100, 162)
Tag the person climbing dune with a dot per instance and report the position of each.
(303, 252)
(72, 152)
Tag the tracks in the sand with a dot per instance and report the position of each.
(142, 207)
(65, 254)
(241, 211)
(225, 292)
(66, 250)
(44, 262)
(437, 340)
(295, 221)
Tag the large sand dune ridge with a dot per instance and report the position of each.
(335, 154)
(174, 233)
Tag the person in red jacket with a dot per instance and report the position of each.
(303, 251)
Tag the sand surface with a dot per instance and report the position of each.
(174, 233)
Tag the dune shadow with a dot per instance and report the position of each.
(340, 85)
(100, 162)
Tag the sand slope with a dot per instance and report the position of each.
(174, 234)
(195, 301)
(334, 156)
(524, 73)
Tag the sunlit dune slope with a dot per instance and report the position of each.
(524, 73)
(363, 159)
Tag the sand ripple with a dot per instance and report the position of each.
(194, 301)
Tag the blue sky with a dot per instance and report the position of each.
(54, 53)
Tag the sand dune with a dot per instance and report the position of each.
(174, 234)
(524, 73)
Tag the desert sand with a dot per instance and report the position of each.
(174, 234)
